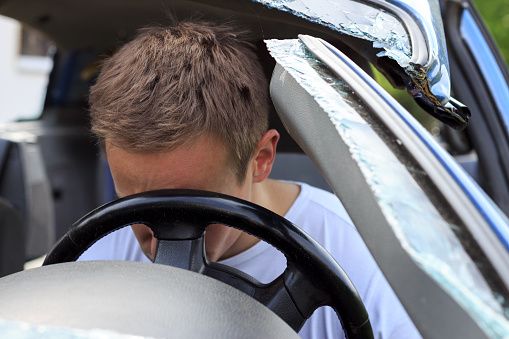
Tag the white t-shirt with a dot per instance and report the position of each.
(119, 245)
(322, 216)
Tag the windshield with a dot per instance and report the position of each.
(356, 19)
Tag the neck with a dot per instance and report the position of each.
(274, 195)
(277, 196)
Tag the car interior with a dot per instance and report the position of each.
(53, 172)
(55, 159)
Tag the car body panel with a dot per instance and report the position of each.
(408, 212)
(487, 136)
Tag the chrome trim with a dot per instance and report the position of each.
(436, 66)
(416, 23)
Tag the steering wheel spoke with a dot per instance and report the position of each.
(187, 254)
(273, 295)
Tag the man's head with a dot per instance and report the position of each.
(186, 107)
(172, 85)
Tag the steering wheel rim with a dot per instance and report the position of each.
(178, 219)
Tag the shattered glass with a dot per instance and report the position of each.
(423, 233)
(409, 32)
(356, 19)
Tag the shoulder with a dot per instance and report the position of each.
(324, 199)
(318, 205)
(321, 215)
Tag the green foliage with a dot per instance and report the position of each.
(496, 15)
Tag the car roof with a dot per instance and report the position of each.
(106, 24)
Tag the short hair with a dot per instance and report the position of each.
(172, 85)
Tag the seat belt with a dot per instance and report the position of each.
(40, 212)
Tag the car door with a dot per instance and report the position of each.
(441, 243)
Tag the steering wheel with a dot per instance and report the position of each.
(179, 218)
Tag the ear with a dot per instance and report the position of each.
(264, 155)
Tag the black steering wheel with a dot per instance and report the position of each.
(178, 219)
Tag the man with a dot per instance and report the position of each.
(187, 107)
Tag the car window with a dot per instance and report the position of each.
(25, 64)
